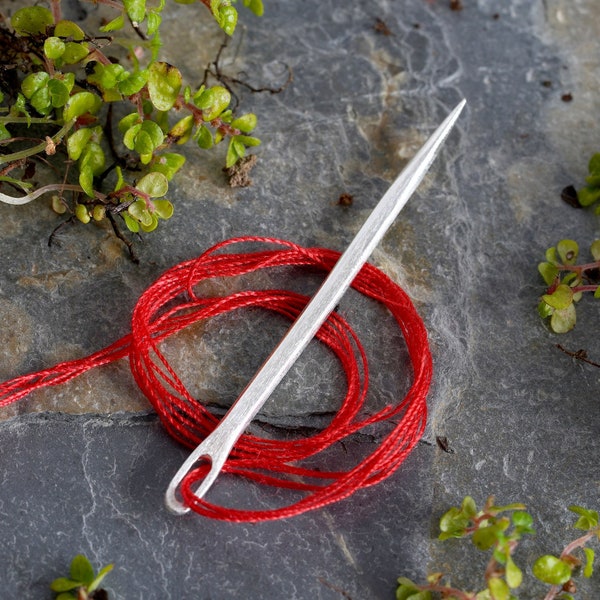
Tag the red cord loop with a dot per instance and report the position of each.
(171, 304)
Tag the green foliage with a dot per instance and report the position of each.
(590, 194)
(82, 582)
(498, 530)
(567, 281)
(66, 83)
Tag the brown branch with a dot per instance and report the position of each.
(578, 355)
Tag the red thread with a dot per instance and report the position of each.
(170, 304)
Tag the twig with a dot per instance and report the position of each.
(579, 355)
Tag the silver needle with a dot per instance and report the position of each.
(217, 446)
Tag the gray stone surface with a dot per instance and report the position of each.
(84, 467)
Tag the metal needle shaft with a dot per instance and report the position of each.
(217, 446)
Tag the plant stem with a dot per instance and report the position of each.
(44, 190)
(8, 120)
(580, 268)
(56, 138)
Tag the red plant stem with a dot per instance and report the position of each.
(56, 12)
(579, 269)
(585, 288)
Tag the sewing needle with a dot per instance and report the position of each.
(217, 446)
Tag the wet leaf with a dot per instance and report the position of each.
(164, 83)
(32, 20)
(82, 570)
(154, 184)
(561, 298)
(69, 29)
(551, 570)
(80, 104)
(54, 48)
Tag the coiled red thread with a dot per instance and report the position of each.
(170, 304)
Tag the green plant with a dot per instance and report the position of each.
(590, 193)
(65, 91)
(499, 529)
(567, 281)
(82, 583)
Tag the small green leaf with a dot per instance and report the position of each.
(136, 9)
(69, 29)
(245, 123)
(164, 83)
(32, 20)
(75, 52)
(407, 590)
(5, 134)
(131, 223)
(485, 537)
(33, 83)
(104, 571)
(514, 575)
(129, 121)
(151, 225)
(563, 320)
(143, 142)
(182, 130)
(139, 211)
(568, 250)
(168, 164)
(154, 184)
(453, 524)
(560, 298)
(163, 208)
(523, 522)
(62, 584)
(86, 181)
(498, 588)
(248, 140)
(80, 104)
(232, 154)
(82, 570)
(130, 136)
(594, 164)
(59, 93)
(82, 213)
(588, 195)
(133, 83)
(552, 570)
(227, 19)
(107, 77)
(77, 142)
(41, 101)
(213, 102)
(544, 310)
(595, 249)
(256, 6)
(66, 596)
(114, 25)
(93, 157)
(589, 562)
(588, 519)
(153, 22)
(204, 137)
(54, 48)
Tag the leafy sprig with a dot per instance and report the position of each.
(499, 529)
(82, 583)
(589, 194)
(567, 281)
(68, 86)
